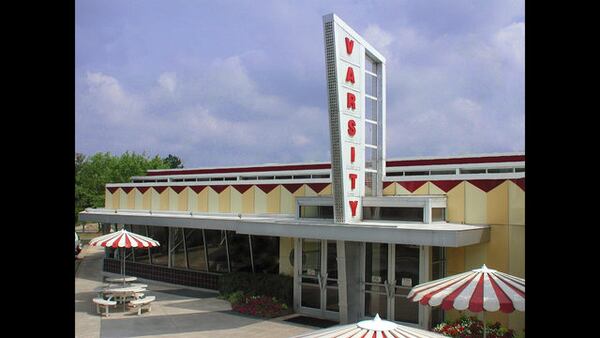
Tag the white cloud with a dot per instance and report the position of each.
(379, 38)
(168, 81)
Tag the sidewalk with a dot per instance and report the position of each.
(178, 311)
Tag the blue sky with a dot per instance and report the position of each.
(243, 82)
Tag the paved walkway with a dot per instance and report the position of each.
(178, 311)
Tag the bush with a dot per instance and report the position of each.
(258, 284)
(262, 306)
(471, 327)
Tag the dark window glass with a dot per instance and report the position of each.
(239, 252)
(399, 173)
(177, 249)
(316, 211)
(407, 276)
(472, 171)
(332, 260)
(248, 178)
(160, 254)
(217, 252)
(283, 177)
(438, 271)
(265, 177)
(500, 170)
(376, 267)
(519, 170)
(301, 176)
(370, 158)
(416, 173)
(216, 178)
(321, 176)
(393, 214)
(265, 252)
(141, 255)
(194, 243)
(438, 214)
(443, 172)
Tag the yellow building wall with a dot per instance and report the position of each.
(422, 190)
(192, 199)
(235, 202)
(248, 200)
(390, 190)
(434, 190)
(137, 199)
(203, 198)
(326, 191)
(213, 200)
(164, 199)
(108, 204)
(131, 199)
(308, 191)
(287, 202)
(456, 204)
(182, 199)
(516, 204)
(225, 200)
(122, 199)
(286, 244)
(274, 200)
(400, 190)
(116, 199)
(147, 199)
(155, 201)
(260, 201)
(475, 205)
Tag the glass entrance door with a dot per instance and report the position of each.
(318, 279)
(390, 272)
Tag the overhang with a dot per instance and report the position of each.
(435, 234)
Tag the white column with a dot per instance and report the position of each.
(424, 276)
(342, 282)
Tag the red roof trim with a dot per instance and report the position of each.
(242, 188)
(520, 182)
(240, 170)
(412, 185)
(318, 187)
(142, 189)
(112, 189)
(464, 160)
(178, 188)
(486, 185)
(292, 187)
(160, 189)
(446, 185)
(197, 188)
(218, 188)
(267, 188)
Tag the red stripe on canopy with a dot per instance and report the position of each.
(476, 302)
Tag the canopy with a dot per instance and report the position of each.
(376, 328)
(476, 290)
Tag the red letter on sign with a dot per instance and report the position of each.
(350, 75)
(352, 154)
(353, 181)
(353, 205)
(350, 101)
(351, 127)
(349, 45)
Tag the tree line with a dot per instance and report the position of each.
(93, 172)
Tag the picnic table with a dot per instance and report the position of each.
(123, 294)
(121, 279)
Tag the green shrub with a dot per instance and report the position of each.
(258, 284)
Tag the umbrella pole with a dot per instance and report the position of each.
(484, 328)
(123, 266)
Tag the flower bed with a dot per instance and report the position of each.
(259, 306)
(471, 327)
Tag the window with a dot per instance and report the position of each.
(194, 243)
(217, 251)
(438, 214)
(239, 252)
(265, 253)
(370, 109)
(248, 178)
(519, 170)
(265, 177)
(316, 211)
(370, 65)
(370, 158)
(159, 254)
(370, 133)
(407, 276)
(301, 176)
(216, 178)
(321, 176)
(178, 259)
(370, 184)
(442, 172)
(283, 177)
(398, 173)
(438, 271)
(393, 214)
(416, 173)
(472, 171)
(141, 255)
(370, 84)
(500, 170)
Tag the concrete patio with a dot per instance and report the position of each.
(178, 311)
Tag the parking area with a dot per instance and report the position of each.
(177, 312)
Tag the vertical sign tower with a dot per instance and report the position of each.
(356, 104)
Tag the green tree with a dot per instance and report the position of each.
(173, 162)
(94, 172)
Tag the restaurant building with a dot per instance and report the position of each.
(356, 233)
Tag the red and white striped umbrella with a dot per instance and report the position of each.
(373, 328)
(124, 239)
(476, 290)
